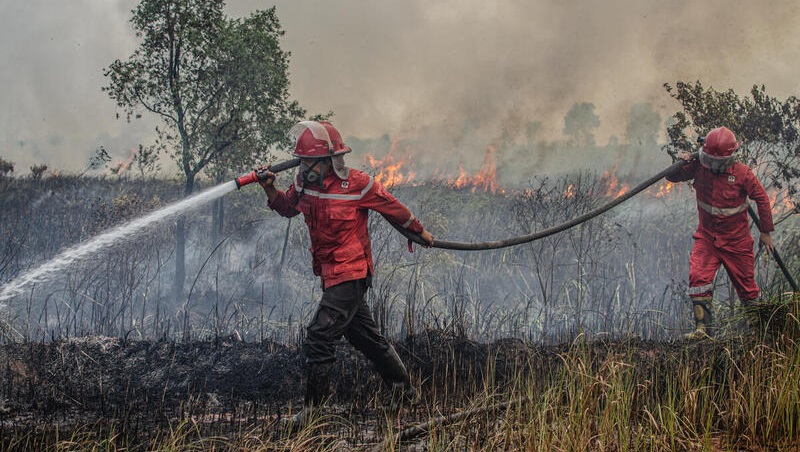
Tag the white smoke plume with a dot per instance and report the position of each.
(449, 69)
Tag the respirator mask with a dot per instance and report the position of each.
(309, 176)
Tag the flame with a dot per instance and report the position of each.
(781, 201)
(664, 189)
(486, 178)
(613, 187)
(392, 170)
(124, 165)
(462, 179)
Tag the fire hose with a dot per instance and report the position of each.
(775, 253)
(495, 244)
(423, 428)
(475, 246)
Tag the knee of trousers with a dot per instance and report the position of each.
(321, 336)
(319, 350)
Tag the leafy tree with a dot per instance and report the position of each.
(98, 160)
(219, 85)
(768, 131)
(6, 168)
(37, 171)
(146, 161)
(580, 123)
(643, 125)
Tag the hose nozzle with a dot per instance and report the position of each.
(249, 178)
(257, 175)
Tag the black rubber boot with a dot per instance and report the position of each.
(317, 392)
(394, 373)
(317, 384)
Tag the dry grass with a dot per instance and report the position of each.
(739, 393)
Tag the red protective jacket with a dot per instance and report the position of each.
(336, 217)
(722, 201)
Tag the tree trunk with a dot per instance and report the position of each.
(217, 220)
(180, 246)
(180, 258)
(218, 212)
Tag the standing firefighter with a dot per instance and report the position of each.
(723, 234)
(335, 201)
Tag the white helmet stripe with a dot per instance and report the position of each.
(317, 130)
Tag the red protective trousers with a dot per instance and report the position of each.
(738, 262)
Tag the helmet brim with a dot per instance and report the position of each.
(346, 150)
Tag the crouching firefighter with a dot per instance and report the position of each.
(335, 201)
(722, 186)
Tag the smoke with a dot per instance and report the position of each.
(53, 54)
(404, 68)
(461, 71)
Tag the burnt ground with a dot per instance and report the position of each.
(139, 386)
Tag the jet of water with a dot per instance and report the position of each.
(123, 232)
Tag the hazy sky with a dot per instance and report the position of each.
(410, 66)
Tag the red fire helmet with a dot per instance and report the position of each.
(718, 149)
(720, 142)
(317, 140)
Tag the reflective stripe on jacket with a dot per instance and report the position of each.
(722, 201)
(336, 216)
(722, 211)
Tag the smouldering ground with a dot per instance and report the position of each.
(137, 383)
(583, 395)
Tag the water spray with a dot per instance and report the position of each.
(109, 238)
(129, 230)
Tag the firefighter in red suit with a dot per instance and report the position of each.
(335, 201)
(723, 234)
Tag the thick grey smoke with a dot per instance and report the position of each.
(463, 71)
(53, 53)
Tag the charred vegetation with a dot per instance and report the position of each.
(569, 327)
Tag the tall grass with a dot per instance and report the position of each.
(737, 393)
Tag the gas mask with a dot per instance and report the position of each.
(309, 176)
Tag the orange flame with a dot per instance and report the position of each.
(780, 201)
(392, 170)
(462, 179)
(486, 179)
(613, 187)
(123, 166)
(664, 189)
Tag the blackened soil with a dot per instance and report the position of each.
(140, 384)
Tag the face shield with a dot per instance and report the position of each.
(716, 164)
